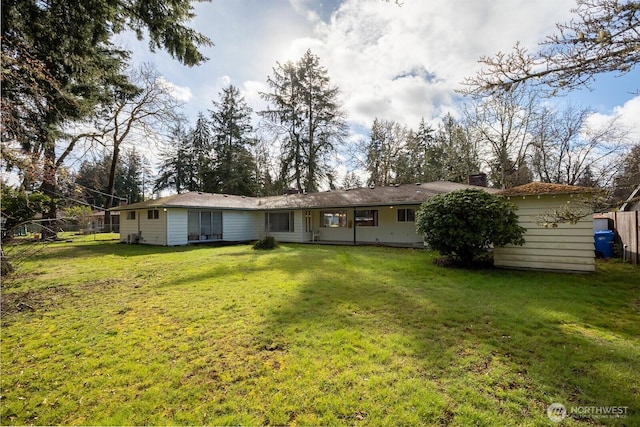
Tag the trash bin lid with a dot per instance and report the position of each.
(603, 232)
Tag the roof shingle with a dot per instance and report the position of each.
(540, 188)
(406, 194)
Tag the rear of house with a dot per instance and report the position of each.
(559, 227)
(189, 218)
(388, 225)
(372, 215)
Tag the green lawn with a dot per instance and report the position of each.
(97, 332)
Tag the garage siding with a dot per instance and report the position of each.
(567, 247)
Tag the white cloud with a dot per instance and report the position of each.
(629, 114)
(181, 93)
(626, 115)
(304, 8)
(404, 63)
(393, 62)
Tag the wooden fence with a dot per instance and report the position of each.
(627, 226)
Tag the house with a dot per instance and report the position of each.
(373, 215)
(633, 201)
(97, 222)
(559, 227)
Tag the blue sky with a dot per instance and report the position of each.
(393, 62)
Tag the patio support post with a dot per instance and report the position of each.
(354, 225)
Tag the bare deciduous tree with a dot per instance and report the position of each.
(570, 149)
(503, 125)
(135, 116)
(603, 38)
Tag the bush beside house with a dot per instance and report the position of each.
(465, 224)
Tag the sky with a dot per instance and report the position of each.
(395, 62)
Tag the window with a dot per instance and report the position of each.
(368, 218)
(204, 225)
(153, 214)
(131, 215)
(334, 218)
(406, 215)
(278, 221)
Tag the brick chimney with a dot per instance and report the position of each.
(478, 179)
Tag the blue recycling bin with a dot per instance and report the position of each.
(604, 242)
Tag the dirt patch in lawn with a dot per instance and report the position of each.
(30, 301)
(40, 300)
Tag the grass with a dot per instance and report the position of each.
(97, 332)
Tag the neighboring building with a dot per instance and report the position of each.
(97, 222)
(633, 201)
(382, 215)
(551, 241)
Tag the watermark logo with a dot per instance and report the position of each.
(558, 412)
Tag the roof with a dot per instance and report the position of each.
(195, 200)
(541, 188)
(406, 194)
(633, 202)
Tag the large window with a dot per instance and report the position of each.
(334, 219)
(153, 214)
(278, 222)
(204, 225)
(406, 215)
(366, 218)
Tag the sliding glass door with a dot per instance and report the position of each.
(204, 225)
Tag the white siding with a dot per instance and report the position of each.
(298, 235)
(177, 231)
(127, 226)
(240, 226)
(389, 230)
(569, 247)
(153, 231)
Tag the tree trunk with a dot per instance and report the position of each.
(111, 188)
(48, 188)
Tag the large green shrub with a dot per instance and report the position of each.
(466, 223)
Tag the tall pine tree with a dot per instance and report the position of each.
(304, 111)
(234, 166)
(59, 62)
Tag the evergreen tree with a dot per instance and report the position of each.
(305, 113)
(93, 179)
(385, 153)
(375, 153)
(174, 165)
(131, 181)
(424, 157)
(351, 180)
(187, 164)
(234, 166)
(59, 62)
(456, 156)
(199, 156)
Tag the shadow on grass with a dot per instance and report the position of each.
(74, 250)
(487, 338)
